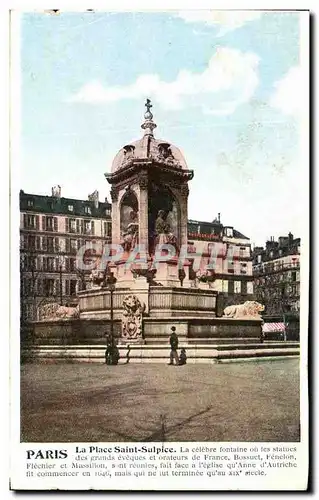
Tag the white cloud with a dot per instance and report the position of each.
(288, 95)
(225, 20)
(229, 80)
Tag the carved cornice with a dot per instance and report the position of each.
(136, 165)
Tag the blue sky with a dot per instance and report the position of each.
(224, 88)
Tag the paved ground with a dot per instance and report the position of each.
(252, 401)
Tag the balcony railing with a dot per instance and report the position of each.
(275, 269)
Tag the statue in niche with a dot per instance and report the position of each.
(163, 233)
(130, 233)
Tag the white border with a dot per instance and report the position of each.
(143, 5)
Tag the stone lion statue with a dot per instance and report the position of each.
(55, 311)
(132, 317)
(250, 309)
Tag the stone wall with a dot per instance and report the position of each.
(156, 330)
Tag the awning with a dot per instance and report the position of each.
(273, 327)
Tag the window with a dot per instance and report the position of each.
(230, 286)
(293, 275)
(73, 246)
(30, 263)
(73, 287)
(237, 286)
(88, 227)
(72, 264)
(30, 203)
(108, 212)
(70, 208)
(244, 287)
(225, 286)
(49, 287)
(31, 242)
(72, 225)
(49, 223)
(50, 244)
(259, 259)
(107, 229)
(229, 232)
(31, 221)
(87, 210)
(50, 205)
(48, 264)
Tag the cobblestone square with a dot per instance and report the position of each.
(82, 402)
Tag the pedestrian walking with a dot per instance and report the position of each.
(173, 340)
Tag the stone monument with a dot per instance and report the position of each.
(149, 181)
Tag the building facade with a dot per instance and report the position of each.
(53, 229)
(276, 269)
(229, 253)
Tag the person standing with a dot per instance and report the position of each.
(173, 340)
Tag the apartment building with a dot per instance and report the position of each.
(52, 229)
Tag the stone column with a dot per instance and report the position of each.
(115, 216)
(183, 201)
(143, 209)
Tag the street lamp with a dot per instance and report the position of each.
(61, 295)
(110, 284)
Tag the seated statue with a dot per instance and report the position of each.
(130, 233)
(163, 233)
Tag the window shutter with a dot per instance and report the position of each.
(37, 221)
(44, 243)
(67, 229)
(56, 244)
(77, 225)
(55, 224)
(44, 226)
(82, 226)
(37, 242)
(230, 286)
(25, 220)
(67, 245)
(92, 227)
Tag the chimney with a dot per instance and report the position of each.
(56, 191)
(218, 216)
(95, 198)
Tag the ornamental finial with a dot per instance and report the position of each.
(148, 125)
(148, 115)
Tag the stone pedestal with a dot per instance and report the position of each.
(167, 273)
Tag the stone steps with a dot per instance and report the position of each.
(160, 353)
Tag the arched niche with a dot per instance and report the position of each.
(129, 214)
(162, 198)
